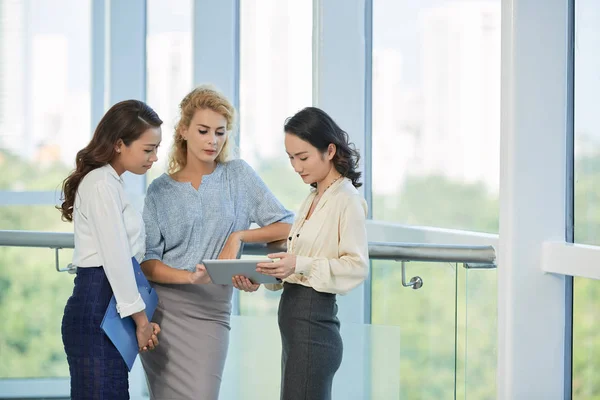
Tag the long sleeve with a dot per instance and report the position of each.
(342, 274)
(155, 243)
(106, 217)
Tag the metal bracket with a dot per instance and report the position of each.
(415, 282)
(70, 268)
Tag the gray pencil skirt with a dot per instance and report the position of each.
(189, 360)
(311, 343)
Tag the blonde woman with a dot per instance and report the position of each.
(201, 209)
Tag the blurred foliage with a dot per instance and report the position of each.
(32, 293)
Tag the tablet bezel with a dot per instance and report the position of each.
(220, 271)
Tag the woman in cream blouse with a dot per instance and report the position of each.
(327, 254)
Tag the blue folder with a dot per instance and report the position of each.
(121, 331)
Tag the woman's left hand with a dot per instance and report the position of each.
(242, 283)
(284, 267)
(232, 247)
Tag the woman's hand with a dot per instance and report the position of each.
(242, 283)
(232, 247)
(200, 276)
(147, 336)
(281, 269)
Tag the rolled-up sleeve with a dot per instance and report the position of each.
(155, 243)
(106, 216)
(347, 271)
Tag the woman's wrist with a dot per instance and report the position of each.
(140, 318)
(239, 235)
(189, 277)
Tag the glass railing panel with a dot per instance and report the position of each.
(261, 303)
(586, 193)
(586, 344)
(32, 300)
(426, 319)
(370, 367)
(479, 332)
(33, 296)
(461, 333)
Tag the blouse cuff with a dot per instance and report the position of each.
(273, 286)
(303, 265)
(125, 310)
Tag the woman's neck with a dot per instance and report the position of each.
(332, 177)
(194, 167)
(119, 169)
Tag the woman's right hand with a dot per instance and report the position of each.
(147, 336)
(200, 276)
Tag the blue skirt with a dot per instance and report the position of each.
(96, 367)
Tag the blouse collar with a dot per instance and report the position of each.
(111, 171)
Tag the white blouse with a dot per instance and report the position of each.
(108, 232)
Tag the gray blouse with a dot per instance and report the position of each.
(185, 225)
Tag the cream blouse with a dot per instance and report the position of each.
(331, 247)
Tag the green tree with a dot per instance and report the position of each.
(586, 295)
(32, 294)
(434, 200)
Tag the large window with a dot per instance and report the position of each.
(275, 82)
(44, 121)
(169, 66)
(436, 150)
(44, 89)
(436, 113)
(586, 341)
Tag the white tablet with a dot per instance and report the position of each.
(221, 271)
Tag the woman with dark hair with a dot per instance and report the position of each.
(108, 233)
(327, 254)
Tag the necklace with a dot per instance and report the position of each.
(319, 196)
(328, 186)
(313, 206)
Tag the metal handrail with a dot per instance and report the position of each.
(470, 256)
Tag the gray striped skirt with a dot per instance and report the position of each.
(311, 343)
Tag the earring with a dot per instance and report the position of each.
(119, 151)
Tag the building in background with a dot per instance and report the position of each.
(14, 68)
(460, 62)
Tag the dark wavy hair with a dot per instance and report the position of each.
(316, 127)
(127, 121)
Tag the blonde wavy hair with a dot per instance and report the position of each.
(204, 97)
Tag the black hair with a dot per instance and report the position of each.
(316, 127)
